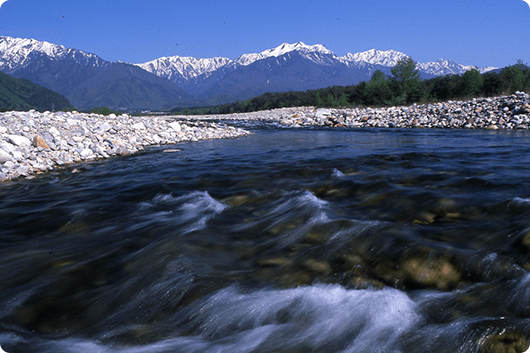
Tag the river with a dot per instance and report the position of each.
(288, 240)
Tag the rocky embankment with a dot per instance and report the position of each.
(32, 142)
(505, 112)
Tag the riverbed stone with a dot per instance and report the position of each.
(4, 157)
(175, 126)
(18, 140)
(478, 113)
(428, 269)
(38, 141)
(50, 140)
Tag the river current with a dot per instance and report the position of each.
(289, 240)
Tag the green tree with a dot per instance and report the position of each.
(377, 90)
(378, 77)
(319, 102)
(472, 83)
(514, 77)
(493, 84)
(343, 101)
(406, 81)
(330, 101)
(444, 87)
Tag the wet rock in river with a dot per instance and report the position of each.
(359, 282)
(317, 266)
(499, 338)
(429, 269)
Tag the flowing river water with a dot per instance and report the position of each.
(289, 240)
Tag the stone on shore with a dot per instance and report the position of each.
(33, 142)
(5, 157)
(495, 113)
(175, 126)
(58, 139)
(18, 140)
(39, 142)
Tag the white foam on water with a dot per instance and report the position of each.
(315, 317)
(304, 206)
(307, 198)
(319, 317)
(519, 299)
(291, 208)
(200, 201)
(299, 232)
(338, 174)
(191, 203)
(297, 213)
(519, 201)
(192, 211)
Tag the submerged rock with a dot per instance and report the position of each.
(431, 270)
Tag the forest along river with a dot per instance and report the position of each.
(290, 240)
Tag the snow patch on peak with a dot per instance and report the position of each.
(18, 52)
(387, 58)
(299, 46)
(444, 67)
(186, 67)
(307, 50)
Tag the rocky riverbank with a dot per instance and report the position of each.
(33, 142)
(504, 112)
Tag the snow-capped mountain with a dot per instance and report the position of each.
(311, 52)
(205, 78)
(179, 69)
(445, 67)
(86, 79)
(388, 58)
(17, 53)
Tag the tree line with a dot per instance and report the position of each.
(402, 87)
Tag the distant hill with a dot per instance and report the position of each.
(20, 94)
(125, 86)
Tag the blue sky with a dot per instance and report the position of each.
(471, 32)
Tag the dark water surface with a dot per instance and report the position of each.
(284, 241)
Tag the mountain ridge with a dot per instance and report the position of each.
(177, 80)
(70, 72)
(387, 58)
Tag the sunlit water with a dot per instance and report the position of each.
(284, 241)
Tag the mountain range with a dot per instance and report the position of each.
(89, 81)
